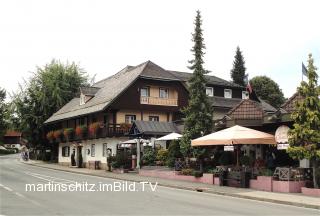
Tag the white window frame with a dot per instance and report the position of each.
(147, 91)
(104, 149)
(93, 150)
(245, 95)
(154, 118)
(129, 119)
(225, 91)
(166, 90)
(65, 151)
(212, 91)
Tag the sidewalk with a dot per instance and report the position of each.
(280, 198)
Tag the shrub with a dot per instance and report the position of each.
(7, 151)
(188, 172)
(197, 173)
(246, 160)
(173, 153)
(226, 158)
(50, 135)
(162, 155)
(266, 172)
(149, 156)
(120, 160)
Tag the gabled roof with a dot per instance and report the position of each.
(213, 80)
(109, 89)
(247, 109)
(290, 104)
(155, 127)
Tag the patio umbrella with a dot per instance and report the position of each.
(171, 136)
(233, 136)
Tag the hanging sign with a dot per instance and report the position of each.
(281, 135)
(228, 148)
(282, 146)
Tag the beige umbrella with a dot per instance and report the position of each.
(233, 136)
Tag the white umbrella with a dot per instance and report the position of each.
(171, 136)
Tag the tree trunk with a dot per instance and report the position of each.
(314, 167)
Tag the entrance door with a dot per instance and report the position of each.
(79, 158)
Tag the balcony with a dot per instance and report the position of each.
(159, 101)
(109, 130)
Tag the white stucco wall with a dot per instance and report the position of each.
(111, 143)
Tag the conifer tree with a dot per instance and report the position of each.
(304, 138)
(238, 72)
(198, 113)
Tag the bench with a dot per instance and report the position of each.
(235, 179)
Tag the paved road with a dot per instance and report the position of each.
(15, 200)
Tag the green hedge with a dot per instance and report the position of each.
(6, 151)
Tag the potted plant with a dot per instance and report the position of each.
(68, 132)
(57, 135)
(93, 128)
(81, 131)
(50, 136)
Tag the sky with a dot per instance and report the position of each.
(105, 36)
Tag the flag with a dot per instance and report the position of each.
(304, 70)
(249, 88)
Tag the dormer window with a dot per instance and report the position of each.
(227, 93)
(245, 95)
(82, 99)
(209, 91)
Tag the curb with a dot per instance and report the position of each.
(192, 189)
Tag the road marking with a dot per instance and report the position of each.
(7, 188)
(51, 178)
(19, 195)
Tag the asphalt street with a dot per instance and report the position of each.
(90, 195)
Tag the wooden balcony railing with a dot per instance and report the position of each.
(109, 130)
(159, 101)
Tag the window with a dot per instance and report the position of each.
(65, 151)
(209, 91)
(163, 93)
(228, 93)
(129, 119)
(144, 92)
(153, 118)
(245, 95)
(93, 150)
(104, 149)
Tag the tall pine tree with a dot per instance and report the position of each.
(238, 72)
(304, 138)
(198, 113)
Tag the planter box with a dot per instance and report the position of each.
(206, 178)
(311, 191)
(263, 183)
(288, 186)
(216, 181)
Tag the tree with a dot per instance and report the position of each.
(198, 113)
(304, 138)
(3, 124)
(267, 90)
(238, 72)
(50, 87)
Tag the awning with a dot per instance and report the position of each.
(233, 136)
(171, 136)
